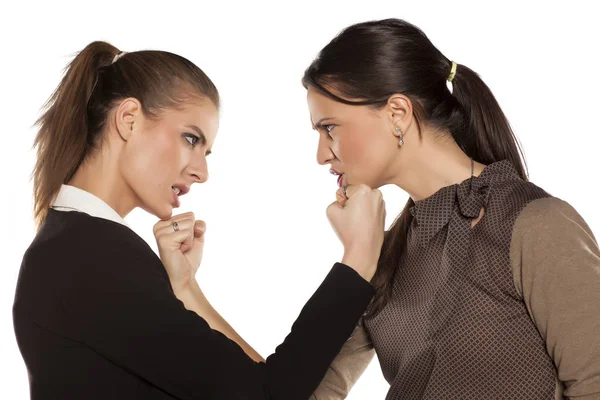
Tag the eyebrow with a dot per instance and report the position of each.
(319, 123)
(201, 136)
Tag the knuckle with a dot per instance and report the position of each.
(157, 226)
(331, 209)
(362, 187)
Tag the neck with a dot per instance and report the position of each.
(100, 176)
(432, 163)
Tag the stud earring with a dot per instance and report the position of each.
(401, 141)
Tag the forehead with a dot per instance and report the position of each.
(321, 106)
(201, 113)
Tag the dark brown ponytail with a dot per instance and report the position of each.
(74, 117)
(371, 61)
(486, 135)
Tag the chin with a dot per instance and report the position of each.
(370, 183)
(165, 212)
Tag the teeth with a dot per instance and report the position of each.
(176, 190)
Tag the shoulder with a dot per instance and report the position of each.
(517, 192)
(546, 215)
(507, 199)
(548, 234)
(77, 244)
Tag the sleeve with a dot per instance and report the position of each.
(556, 269)
(122, 306)
(347, 367)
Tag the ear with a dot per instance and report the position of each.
(399, 109)
(127, 115)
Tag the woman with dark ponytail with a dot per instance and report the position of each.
(487, 286)
(97, 314)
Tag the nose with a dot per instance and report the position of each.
(198, 169)
(324, 153)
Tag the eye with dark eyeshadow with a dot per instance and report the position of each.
(194, 139)
(328, 128)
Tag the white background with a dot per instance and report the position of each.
(268, 240)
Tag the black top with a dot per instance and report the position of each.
(96, 318)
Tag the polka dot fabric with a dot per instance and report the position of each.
(455, 327)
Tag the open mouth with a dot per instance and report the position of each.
(340, 175)
(180, 189)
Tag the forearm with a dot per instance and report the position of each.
(194, 300)
(348, 366)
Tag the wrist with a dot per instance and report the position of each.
(364, 266)
(191, 295)
(187, 287)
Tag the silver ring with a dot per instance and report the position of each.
(175, 226)
(344, 191)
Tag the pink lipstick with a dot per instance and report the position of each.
(340, 179)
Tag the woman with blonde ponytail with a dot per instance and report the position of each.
(487, 286)
(97, 314)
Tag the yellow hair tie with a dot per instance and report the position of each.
(452, 72)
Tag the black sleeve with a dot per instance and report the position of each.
(121, 305)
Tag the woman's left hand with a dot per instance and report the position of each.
(180, 250)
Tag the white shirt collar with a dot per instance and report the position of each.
(71, 198)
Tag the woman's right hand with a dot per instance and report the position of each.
(180, 250)
(358, 219)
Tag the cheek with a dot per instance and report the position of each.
(367, 153)
(349, 149)
(149, 166)
(357, 146)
